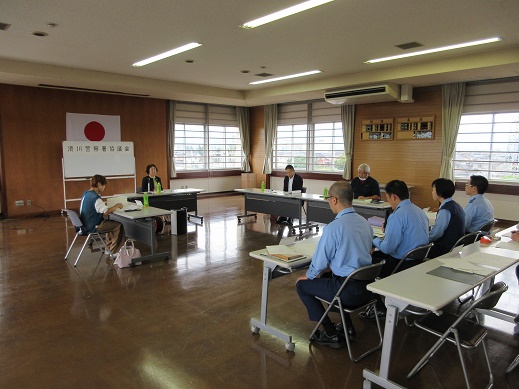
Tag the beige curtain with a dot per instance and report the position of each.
(348, 130)
(242, 113)
(271, 124)
(453, 97)
(171, 137)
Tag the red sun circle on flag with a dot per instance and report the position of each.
(94, 131)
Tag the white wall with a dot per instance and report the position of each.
(505, 206)
(210, 185)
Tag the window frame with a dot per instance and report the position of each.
(495, 185)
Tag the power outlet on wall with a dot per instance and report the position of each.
(19, 203)
(29, 202)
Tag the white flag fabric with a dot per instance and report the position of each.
(94, 128)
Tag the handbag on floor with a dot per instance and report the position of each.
(126, 254)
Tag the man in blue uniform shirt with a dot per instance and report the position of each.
(344, 247)
(479, 210)
(406, 229)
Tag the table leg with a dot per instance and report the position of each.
(381, 379)
(257, 325)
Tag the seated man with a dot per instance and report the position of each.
(292, 182)
(344, 247)
(479, 210)
(450, 219)
(406, 229)
(364, 186)
(93, 213)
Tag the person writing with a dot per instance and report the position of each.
(291, 183)
(149, 183)
(364, 186)
(344, 247)
(450, 219)
(479, 210)
(407, 228)
(93, 213)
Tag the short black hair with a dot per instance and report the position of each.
(149, 167)
(98, 179)
(398, 188)
(444, 187)
(289, 167)
(480, 182)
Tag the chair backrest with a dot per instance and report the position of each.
(417, 254)
(487, 227)
(303, 189)
(74, 218)
(466, 239)
(490, 299)
(365, 273)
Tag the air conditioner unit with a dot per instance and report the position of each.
(363, 94)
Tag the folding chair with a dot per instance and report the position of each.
(366, 273)
(487, 227)
(94, 236)
(466, 239)
(459, 330)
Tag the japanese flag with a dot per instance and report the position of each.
(95, 128)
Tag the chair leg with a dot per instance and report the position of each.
(491, 378)
(460, 353)
(426, 357)
(370, 351)
(330, 306)
(70, 248)
(513, 365)
(82, 249)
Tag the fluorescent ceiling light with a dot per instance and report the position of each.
(445, 48)
(284, 13)
(285, 77)
(167, 54)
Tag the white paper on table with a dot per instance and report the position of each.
(280, 249)
(362, 201)
(290, 240)
(464, 265)
(495, 261)
(307, 249)
(469, 249)
(508, 245)
(377, 231)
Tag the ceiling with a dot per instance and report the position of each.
(94, 44)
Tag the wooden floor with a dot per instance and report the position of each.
(184, 323)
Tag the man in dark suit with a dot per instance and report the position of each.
(292, 182)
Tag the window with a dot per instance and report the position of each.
(207, 137)
(488, 145)
(309, 136)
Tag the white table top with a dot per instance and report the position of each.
(313, 197)
(165, 192)
(142, 213)
(415, 287)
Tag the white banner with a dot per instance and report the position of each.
(94, 128)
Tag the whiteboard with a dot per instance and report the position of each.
(109, 159)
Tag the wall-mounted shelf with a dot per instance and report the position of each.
(415, 128)
(377, 129)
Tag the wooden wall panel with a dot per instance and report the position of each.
(257, 125)
(32, 121)
(417, 162)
